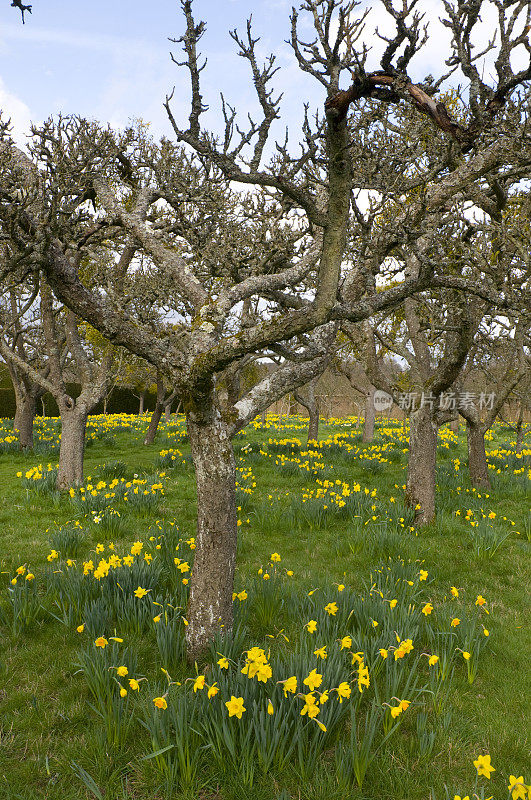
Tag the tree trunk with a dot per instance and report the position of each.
(141, 402)
(311, 404)
(420, 489)
(72, 449)
(263, 419)
(18, 413)
(153, 424)
(313, 425)
(210, 604)
(520, 430)
(454, 425)
(477, 459)
(24, 416)
(292, 406)
(370, 415)
(167, 412)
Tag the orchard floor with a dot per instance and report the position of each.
(51, 740)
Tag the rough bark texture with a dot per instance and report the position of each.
(311, 404)
(210, 605)
(24, 416)
(73, 425)
(157, 412)
(313, 425)
(167, 412)
(520, 430)
(477, 459)
(141, 402)
(420, 488)
(454, 425)
(370, 416)
(153, 424)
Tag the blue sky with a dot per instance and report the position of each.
(109, 59)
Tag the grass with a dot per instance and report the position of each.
(51, 739)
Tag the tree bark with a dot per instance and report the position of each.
(153, 424)
(24, 416)
(210, 604)
(313, 424)
(477, 459)
(72, 449)
(167, 412)
(454, 425)
(420, 488)
(520, 429)
(311, 404)
(370, 416)
(141, 402)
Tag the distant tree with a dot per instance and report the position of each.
(46, 358)
(20, 335)
(501, 354)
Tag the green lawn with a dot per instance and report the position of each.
(53, 742)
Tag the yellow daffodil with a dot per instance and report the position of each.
(483, 766)
(313, 681)
(289, 685)
(343, 691)
(235, 707)
(517, 788)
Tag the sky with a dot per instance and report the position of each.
(109, 59)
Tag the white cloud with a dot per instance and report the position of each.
(14, 108)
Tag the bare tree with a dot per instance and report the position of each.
(61, 358)
(501, 356)
(164, 400)
(19, 336)
(179, 211)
